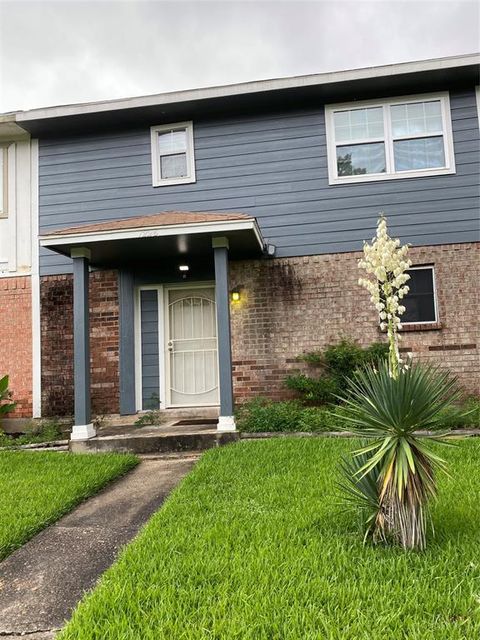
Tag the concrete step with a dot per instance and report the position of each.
(149, 443)
(166, 415)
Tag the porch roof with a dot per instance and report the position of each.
(158, 236)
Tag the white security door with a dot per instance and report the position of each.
(191, 347)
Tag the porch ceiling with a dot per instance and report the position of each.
(160, 237)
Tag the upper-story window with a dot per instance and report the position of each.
(3, 182)
(394, 138)
(173, 160)
(477, 94)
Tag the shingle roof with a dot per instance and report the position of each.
(156, 220)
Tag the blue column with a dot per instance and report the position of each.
(83, 428)
(127, 343)
(226, 420)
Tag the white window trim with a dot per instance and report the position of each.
(4, 178)
(157, 181)
(477, 95)
(449, 167)
(435, 302)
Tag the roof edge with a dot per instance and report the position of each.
(51, 241)
(242, 88)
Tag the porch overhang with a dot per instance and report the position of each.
(209, 239)
(159, 237)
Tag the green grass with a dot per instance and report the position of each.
(254, 545)
(36, 488)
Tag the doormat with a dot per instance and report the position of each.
(194, 421)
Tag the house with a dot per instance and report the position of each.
(193, 243)
(19, 351)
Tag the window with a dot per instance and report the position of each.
(477, 94)
(401, 138)
(172, 154)
(3, 182)
(420, 302)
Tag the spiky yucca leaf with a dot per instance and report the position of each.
(390, 411)
(361, 492)
(5, 397)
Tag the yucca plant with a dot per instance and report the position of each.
(6, 403)
(360, 491)
(389, 411)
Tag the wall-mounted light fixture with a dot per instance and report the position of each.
(235, 294)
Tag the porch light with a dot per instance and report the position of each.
(235, 294)
(183, 267)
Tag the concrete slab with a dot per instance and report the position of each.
(155, 439)
(41, 583)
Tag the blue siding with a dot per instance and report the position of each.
(150, 349)
(271, 166)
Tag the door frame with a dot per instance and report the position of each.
(138, 345)
(162, 300)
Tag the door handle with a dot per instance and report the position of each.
(170, 345)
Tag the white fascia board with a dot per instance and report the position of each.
(152, 232)
(10, 131)
(243, 88)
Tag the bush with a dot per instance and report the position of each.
(316, 419)
(464, 416)
(337, 363)
(314, 390)
(36, 433)
(262, 415)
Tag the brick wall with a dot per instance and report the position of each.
(16, 341)
(290, 306)
(57, 343)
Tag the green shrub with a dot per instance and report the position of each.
(464, 416)
(317, 419)
(336, 364)
(36, 433)
(343, 359)
(314, 390)
(261, 415)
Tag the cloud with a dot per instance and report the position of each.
(62, 52)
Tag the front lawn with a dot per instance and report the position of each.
(253, 545)
(36, 488)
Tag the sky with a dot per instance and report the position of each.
(69, 51)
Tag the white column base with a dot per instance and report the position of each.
(83, 432)
(226, 423)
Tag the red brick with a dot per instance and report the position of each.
(16, 341)
(291, 306)
(57, 343)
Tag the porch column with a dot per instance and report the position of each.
(83, 428)
(127, 343)
(226, 421)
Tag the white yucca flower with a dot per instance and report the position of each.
(385, 261)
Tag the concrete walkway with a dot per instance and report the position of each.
(41, 582)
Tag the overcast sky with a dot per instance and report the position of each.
(69, 51)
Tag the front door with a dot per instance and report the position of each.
(191, 346)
